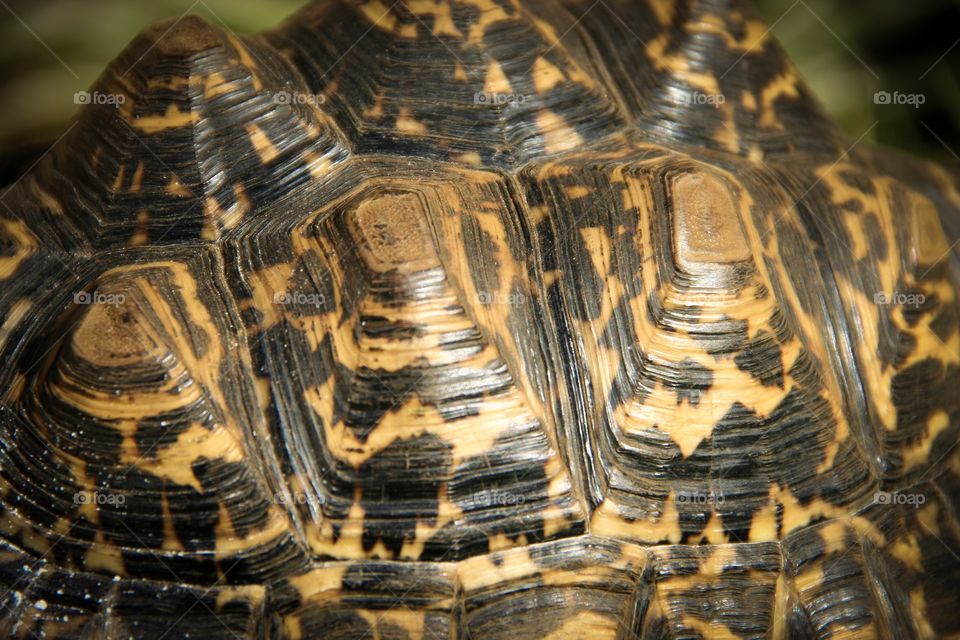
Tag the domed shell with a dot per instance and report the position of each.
(476, 319)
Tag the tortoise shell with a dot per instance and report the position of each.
(476, 319)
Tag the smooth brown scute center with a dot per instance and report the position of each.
(706, 223)
(393, 231)
(110, 332)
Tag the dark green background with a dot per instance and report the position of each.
(847, 50)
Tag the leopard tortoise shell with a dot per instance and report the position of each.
(486, 319)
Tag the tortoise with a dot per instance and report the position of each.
(476, 319)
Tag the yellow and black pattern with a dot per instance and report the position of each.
(480, 82)
(706, 75)
(195, 129)
(129, 443)
(703, 384)
(476, 319)
(896, 281)
(396, 417)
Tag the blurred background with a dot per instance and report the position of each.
(848, 51)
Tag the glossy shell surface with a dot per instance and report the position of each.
(476, 319)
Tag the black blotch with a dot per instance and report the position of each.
(725, 336)
(400, 486)
(656, 626)
(342, 378)
(623, 390)
(905, 345)
(724, 474)
(266, 563)
(155, 433)
(761, 358)
(652, 306)
(942, 270)
(134, 517)
(501, 492)
(373, 393)
(199, 338)
(88, 440)
(917, 393)
(464, 16)
(916, 304)
(8, 246)
(454, 541)
(853, 205)
(795, 437)
(311, 287)
(848, 472)
(336, 529)
(945, 322)
(844, 571)
(251, 316)
(82, 529)
(612, 335)
(269, 251)
(194, 514)
(809, 219)
(912, 392)
(284, 597)
(781, 326)
(471, 387)
(147, 610)
(590, 285)
(692, 379)
(78, 596)
(857, 181)
(876, 239)
(245, 503)
(484, 264)
(548, 246)
(379, 327)
(324, 622)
